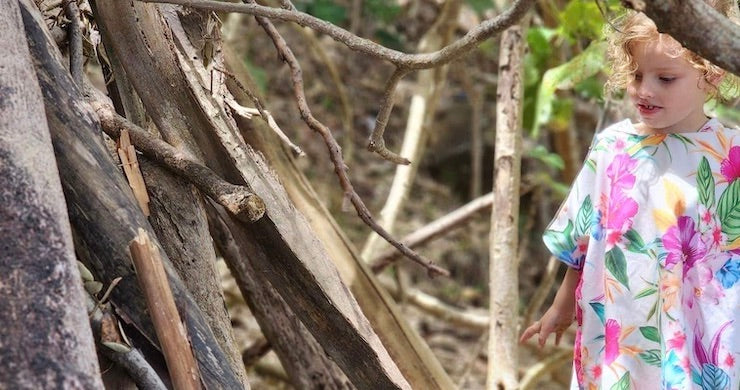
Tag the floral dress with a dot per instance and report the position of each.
(653, 222)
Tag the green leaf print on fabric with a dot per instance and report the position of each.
(650, 333)
(617, 265)
(728, 210)
(651, 357)
(584, 217)
(646, 292)
(623, 384)
(705, 183)
(599, 309)
(635, 242)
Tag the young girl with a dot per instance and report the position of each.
(651, 231)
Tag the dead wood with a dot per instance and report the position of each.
(102, 210)
(301, 355)
(281, 244)
(45, 337)
(172, 336)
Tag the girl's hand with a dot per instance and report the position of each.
(560, 315)
(555, 320)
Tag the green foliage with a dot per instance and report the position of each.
(566, 76)
(581, 19)
(324, 9)
(383, 10)
(259, 75)
(550, 159)
(480, 6)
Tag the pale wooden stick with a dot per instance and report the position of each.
(171, 333)
(127, 153)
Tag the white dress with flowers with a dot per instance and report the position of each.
(653, 222)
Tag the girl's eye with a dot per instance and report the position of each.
(667, 79)
(638, 77)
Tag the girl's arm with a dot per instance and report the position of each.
(560, 314)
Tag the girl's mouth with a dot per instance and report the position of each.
(647, 109)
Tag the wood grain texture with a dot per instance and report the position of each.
(45, 337)
(104, 214)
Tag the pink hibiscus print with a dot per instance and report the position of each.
(612, 331)
(677, 341)
(699, 283)
(683, 244)
(620, 208)
(730, 167)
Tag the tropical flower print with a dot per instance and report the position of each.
(653, 223)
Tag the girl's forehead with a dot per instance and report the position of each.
(659, 53)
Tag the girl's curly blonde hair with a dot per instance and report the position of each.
(634, 27)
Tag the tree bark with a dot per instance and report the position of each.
(281, 244)
(45, 337)
(300, 354)
(504, 262)
(414, 358)
(102, 210)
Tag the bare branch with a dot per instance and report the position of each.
(377, 143)
(75, 41)
(434, 229)
(672, 17)
(237, 199)
(335, 152)
(366, 46)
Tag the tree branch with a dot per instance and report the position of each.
(672, 17)
(237, 199)
(410, 61)
(404, 62)
(335, 152)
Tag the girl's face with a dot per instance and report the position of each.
(668, 92)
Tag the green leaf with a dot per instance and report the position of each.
(581, 19)
(651, 357)
(559, 242)
(584, 218)
(652, 311)
(599, 310)
(705, 183)
(480, 6)
(648, 291)
(617, 265)
(566, 76)
(623, 384)
(636, 243)
(388, 10)
(651, 333)
(728, 210)
(552, 160)
(327, 10)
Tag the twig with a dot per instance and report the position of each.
(404, 62)
(237, 199)
(439, 309)
(534, 373)
(377, 142)
(266, 116)
(435, 229)
(256, 351)
(130, 360)
(171, 333)
(75, 41)
(335, 153)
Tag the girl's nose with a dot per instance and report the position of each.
(644, 91)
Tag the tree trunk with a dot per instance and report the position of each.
(504, 262)
(414, 358)
(281, 244)
(45, 337)
(102, 210)
(301, 355)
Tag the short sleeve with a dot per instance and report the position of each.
(567, 235)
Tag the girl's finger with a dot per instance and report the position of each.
(558, 336)
(529, 332)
